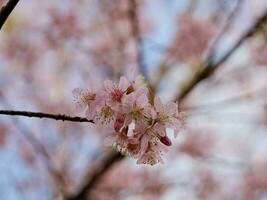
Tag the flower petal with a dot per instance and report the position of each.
(123, 84)
(144, 144)
(158, 105)
(80, 98)
(142, 101)
(108, 84)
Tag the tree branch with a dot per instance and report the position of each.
(6, 10)
(108, 162)
(248, 96)
(44, 115)
(39, 149)
(209, 67)
(224, 28)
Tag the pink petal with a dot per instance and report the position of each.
(150, 111)
(123, 84)
(144, 144)
(108, 84)
(160, 129)
(158, 105)
(138, 82)
(79, 95)
(132, 73)
(128, 102)
(141, 91)
(90, 113)
(172, 109)
(142, 101)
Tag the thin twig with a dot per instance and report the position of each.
(165, 66)
(224, 28)
(55, 175)
(61, 117)
(6, 10)
(256, 94)
(211, 66)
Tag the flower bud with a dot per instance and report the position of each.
(165, 140)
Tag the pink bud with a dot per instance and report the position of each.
(165, 140)
(119, 123)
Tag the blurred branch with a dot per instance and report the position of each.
(209, 67)
(165, 67)
(44, 115)
(136, 32)
(224, 28)
(108, 162)
(262, 92)
(55, 175)
(6, 10)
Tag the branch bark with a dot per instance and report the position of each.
(61, 117)
(6, 10)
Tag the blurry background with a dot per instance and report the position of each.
(47, 48)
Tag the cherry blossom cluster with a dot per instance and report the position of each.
(134, 121)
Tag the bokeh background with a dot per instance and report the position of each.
(48, 48)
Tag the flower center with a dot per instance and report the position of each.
(116, 95)
(150, 160)
(106, 115)
(87, 98)
(162, 118)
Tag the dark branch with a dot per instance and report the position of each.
(211, 66)
(224, 28)
(257, 94)
(44, 115)
(6, 10)
(109, 161)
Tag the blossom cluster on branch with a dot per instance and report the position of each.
(134, 121)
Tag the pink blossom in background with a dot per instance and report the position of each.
(192, 39)
(259, 51)
(2, 2)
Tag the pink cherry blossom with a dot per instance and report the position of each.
(83, 97)
(104, 116)
(131, 124)
(166, 117)
(115, 91)
(136, 80)
(136, 105)
(153, 154)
